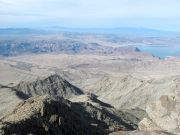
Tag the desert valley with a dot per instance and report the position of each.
(76, 83)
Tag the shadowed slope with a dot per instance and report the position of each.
(53, 85)
(57, 116)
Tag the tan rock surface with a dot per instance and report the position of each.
(164, 113)
(141, 133)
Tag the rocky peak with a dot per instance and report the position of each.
(53, 85)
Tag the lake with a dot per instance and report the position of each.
(160, 50)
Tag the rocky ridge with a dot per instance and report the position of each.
(53, 115)
(44, 109)
(53, 85)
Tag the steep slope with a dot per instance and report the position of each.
(43, 115)
(118, 90)
(53, 85)
(8, 100)
(56, 116)
(113, 117)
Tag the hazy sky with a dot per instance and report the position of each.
(157, 14)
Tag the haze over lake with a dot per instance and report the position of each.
(161, 50)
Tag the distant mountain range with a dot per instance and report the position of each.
(12, 48)
(16, 31)
(123, 31)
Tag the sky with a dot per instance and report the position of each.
(155, 14)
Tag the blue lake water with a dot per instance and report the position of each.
(161, 51)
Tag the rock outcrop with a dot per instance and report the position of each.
(164, 114)
(57, 116)
(53, 85)
(43, 115)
